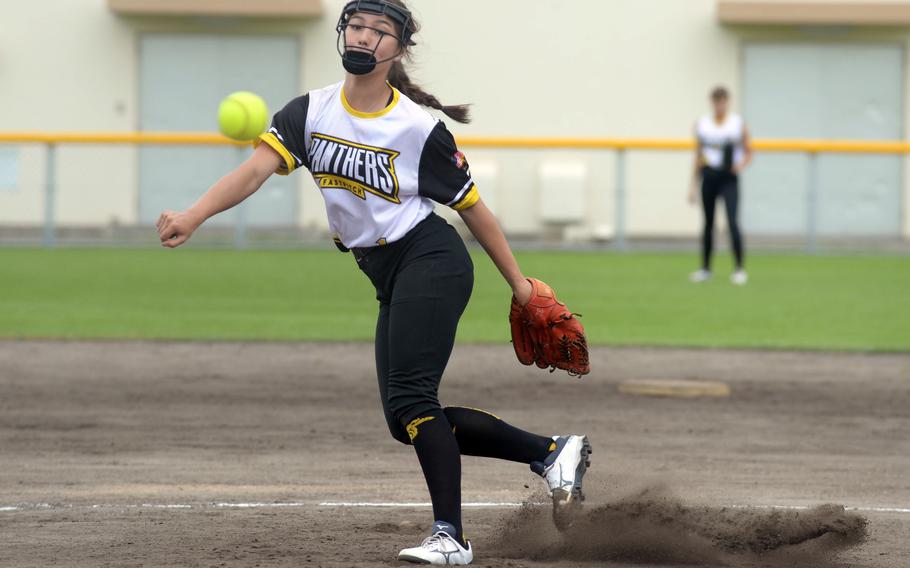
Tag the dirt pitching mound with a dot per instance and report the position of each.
(653, 526)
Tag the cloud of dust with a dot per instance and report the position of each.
(654, 526)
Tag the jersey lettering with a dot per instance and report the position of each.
(358, 168)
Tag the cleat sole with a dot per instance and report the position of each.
(413, 560)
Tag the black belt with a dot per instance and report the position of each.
(361, 252)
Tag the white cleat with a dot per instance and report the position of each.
(700, 275)
(563, 470)
(440, 549)
(739, 277)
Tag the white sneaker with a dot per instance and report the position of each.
(440, 549)
(563, 470)
(700, 275)
(739, 277)
(565, 467)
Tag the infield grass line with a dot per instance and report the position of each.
(801, 302)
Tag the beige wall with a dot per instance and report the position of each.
(860, 35)
(637, 68)
(68, 66)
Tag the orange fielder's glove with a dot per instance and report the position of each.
(546, 333)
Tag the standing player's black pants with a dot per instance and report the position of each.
(423, 283)
(714, 184)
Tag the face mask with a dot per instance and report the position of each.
(359, 62)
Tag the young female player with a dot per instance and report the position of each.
(722, 153)
(380, 161)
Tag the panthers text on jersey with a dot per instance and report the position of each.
(380, 172)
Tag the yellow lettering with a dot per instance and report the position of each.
(412, 427)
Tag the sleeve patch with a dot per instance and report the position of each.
(444, 175)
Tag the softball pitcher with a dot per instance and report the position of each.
(381, 161)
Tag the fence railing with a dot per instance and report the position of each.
(811, 148)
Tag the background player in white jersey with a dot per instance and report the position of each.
(380, 161)
(722, 153)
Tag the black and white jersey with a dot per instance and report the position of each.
(379, 173)
(721, 144)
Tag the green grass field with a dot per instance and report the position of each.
(798, 302)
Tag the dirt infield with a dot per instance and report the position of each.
(265, 454)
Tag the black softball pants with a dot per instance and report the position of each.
(423, 284)
(720, 184)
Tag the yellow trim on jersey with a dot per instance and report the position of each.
(469, 200)
(276, 145)
(354, 112)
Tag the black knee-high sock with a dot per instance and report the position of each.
(440, 460)
(480, 433)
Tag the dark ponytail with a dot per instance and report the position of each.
(399, 79)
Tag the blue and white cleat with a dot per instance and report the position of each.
(563, 470)
(440, 549)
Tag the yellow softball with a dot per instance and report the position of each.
(243, 116)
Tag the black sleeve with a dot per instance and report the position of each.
(287, 135)
(443, 175)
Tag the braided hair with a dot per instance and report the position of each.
(399, 79)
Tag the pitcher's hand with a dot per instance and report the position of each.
(522, 291)
(175, 228)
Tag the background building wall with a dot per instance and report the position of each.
(587, 69)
